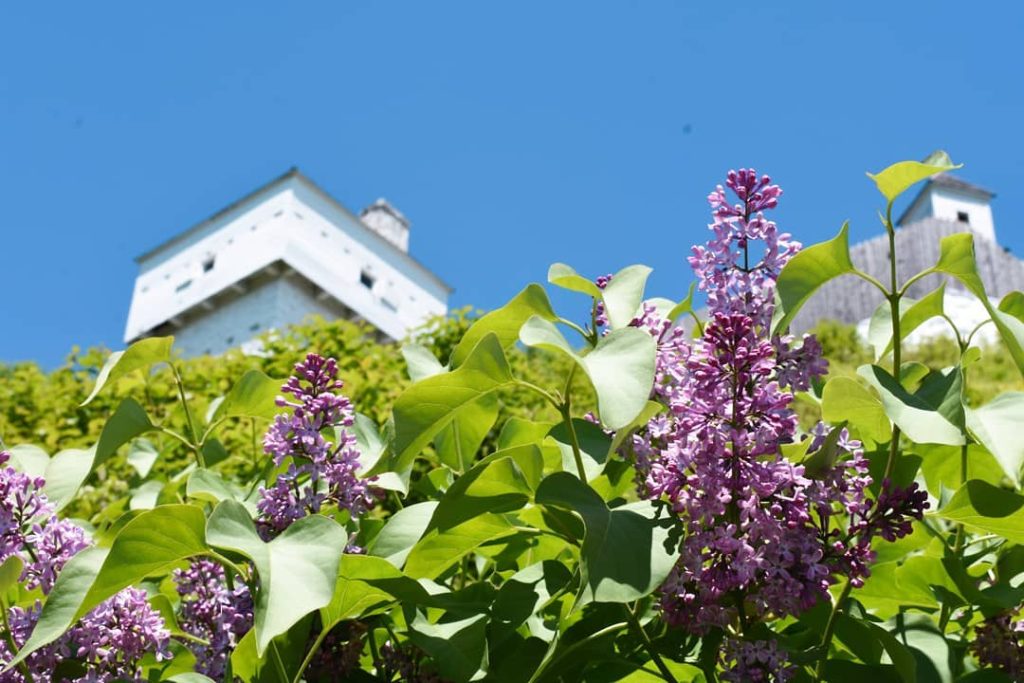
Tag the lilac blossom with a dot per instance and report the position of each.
(752, 662)
(763, 536)
(339, 653)
(214, 611)
(113, 638)
(319, 471)
(999, 644)
(109, 641)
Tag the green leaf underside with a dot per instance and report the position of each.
(987, 509)
(956, 258)
(430, 405)
(252, 396)
(624, 551)
(807, 272)
(298, 569)
(620, 367)
(918, 419)
(504, 323)
(901, 176)
(141, 354)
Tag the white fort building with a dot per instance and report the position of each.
(944, 206)
(279, 254)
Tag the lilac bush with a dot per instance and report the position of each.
(658, 511)
(764, 538)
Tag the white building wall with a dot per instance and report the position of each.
(295, 223)
(271, 305)
(947, 204)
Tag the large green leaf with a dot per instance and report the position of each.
(458, 443)
(846, 399)
(956, 258)
(127, 422)
(922, 421)
(620, 367)
(430, 405)
(66, 473)
(440, 549)
(504, 323)
(401, 532)
(1013, 304)
(806, 272)
(884, 595)
(149, 545)
(64, 602)
(595, 446)
(382, 575)
(421, 362)
(29, 459)
(940, 466)
(561, 275)
(501, 482)
(279, 663)
(141, 354)
(997, 425)
(868, 640)
(896, 179)
(252, 396)
(988, 509)
(913, 314)
(626, 552)
(458, 648)
(624, 294)
(352, 598)
(297, 570)
(210, 486)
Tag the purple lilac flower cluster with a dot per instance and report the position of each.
(338, 656)
(999, 643)
(762, 536)
(756, 662)
(319, 471)
(109, 641)
(214, 611)
(405, 664)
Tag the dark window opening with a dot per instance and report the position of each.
(254, 327)
(366, 279)
(208, 263)
(230, 340)
(388, 305)
(184, 285)
(962, 217)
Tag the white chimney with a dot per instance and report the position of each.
(388, 222)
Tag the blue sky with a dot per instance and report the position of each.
(512, 134)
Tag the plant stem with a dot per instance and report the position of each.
(312, 652)
(196, 446)
(897, 342)
(279, 664)
(566, 410)
(648, 645)
(830, 629)
(958, 543)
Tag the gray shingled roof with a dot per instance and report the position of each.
(945, 180)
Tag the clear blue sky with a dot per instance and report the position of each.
(513, 134)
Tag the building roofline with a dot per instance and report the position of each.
(944, 180)
(295, 173)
